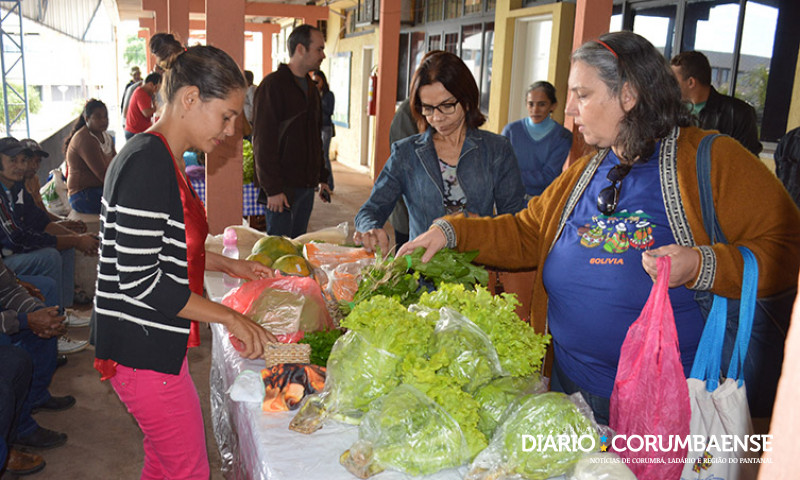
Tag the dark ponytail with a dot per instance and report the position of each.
(210, 69)
(164, 46)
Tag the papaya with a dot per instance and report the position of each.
(261, 258)
(292, 264)
(274, 247)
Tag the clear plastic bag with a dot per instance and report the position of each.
(357, 373)
(495, 397)
(338, 235)
(282, 305)
(470, 356)
(601, 466)
(408, 432)
(531, 423)
(342, 280)
(329, 255)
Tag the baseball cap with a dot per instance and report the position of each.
(33, 146)
(11, 146)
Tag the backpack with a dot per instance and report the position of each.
(787, 163)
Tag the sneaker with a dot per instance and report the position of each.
(77, 319)
(67, 345)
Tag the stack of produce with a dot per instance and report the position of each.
(281, 254)
(427, 383)
(399, 277)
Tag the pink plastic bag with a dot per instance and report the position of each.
(650, 395)
(282, 305)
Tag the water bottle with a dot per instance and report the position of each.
(230, 250)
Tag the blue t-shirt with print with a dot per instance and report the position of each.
(595, 281)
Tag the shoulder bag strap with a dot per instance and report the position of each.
(747, 307)
(704, 185)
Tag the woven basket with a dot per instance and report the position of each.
(276, 353)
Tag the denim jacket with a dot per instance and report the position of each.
(487, 172)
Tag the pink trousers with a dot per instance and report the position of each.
(167, 409)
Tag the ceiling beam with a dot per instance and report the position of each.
(89, 25)
(309, 12)
(256, 9)
(248, 26)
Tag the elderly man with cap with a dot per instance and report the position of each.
(34, 154)
(136, 81)
(31, 243)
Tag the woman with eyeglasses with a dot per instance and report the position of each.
(452, 167)
(596, 231)
(540, 143)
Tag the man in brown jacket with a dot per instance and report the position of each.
(287, 145)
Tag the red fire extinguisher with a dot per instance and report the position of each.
(372, 94)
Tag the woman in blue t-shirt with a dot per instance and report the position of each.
(540, 143)
(595, 233)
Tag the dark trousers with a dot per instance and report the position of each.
(43, 353)
(15, 377)
(292, 222)
(559, 382)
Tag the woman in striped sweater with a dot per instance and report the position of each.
(152, 260)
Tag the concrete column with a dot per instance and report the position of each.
(266, 30)
(388, 51)
(592, 19)
(159, 7)
(266, 52)
(225, 30)
(178, 19)
(147, 27)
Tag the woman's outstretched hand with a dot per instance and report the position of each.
(432, 241)
(250, 270)
(377, 237)
(685, 263)
(252, 335)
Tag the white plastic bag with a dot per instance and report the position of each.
(54, 194)
(248, 387)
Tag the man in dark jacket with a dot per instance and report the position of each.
(286, 141)
(714, 110)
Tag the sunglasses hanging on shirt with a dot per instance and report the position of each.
(608, 197)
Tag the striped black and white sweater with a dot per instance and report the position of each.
(142, 280)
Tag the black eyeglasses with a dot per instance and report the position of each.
(608, 197)
(447, 108)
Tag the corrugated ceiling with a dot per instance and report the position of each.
(91, 20)
(88, 20)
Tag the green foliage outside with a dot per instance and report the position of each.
(134, 53)
(15, 102)
(752, 88)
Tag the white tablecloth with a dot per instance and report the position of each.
(259, 446)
